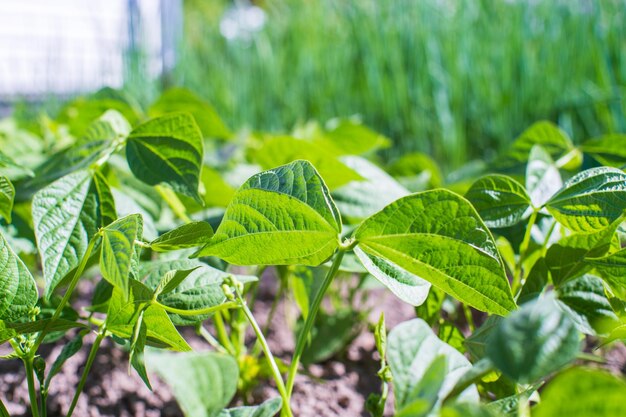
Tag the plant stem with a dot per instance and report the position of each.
(200, 330)
(30, 378)
(83, 378)
(3, 410)
(200, 311)
(222, 336)
(310, 320)
(68, 293)
(268, 355)
(523, 251)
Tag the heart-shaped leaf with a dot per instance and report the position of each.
(278, 217)
(168, 149)
(533, 341)
(18, 291)
(500, 200)
(438, 236)
(591, 200)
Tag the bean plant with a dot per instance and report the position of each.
(515, 268)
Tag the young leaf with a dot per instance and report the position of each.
(203, 383)
(182, 100)
(137, 347)
(269, 408)
(408, 287)
(581, 392)
(188, 235)
(18, 291)
(118, 245)
(585, 302)
(7, 194)
(500, 200)
(70, 349)
(412, 349)
(123, 315)
(352, 138)
(438, 236)
(278, 217)
(590, 200)
(608, 150)
(533, 341)
(65, 217)
(168, 149)
(543, 179)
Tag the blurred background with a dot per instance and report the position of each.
(455, 79)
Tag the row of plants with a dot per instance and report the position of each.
(516, 268)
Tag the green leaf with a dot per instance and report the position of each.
(438, 236)
(269, 408)
(543, 179)
(171, 280)
(408, 287)
(608, 150)
(118, 246)
(123, 315)
(283, 149)
(69, 349)
(182, 100)
(106, 210)
(533, 341)
(7, 194)
(18, 291)
(590, 200)
(168, 149)
(412, 349)
(612, 269)
(358, 200)
(509, 406)
(476, 343)
(278, 217)
(137, 347)
(8, 164)
(202, 383)
(10, 330)
(585, 302)
(65, 217)
(566, 259)
(188, 235)
(581, 392)
(331, 334)
(352, 138)
(500, 200)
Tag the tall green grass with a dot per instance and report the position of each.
(456, 79)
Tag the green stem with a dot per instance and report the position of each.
(310, 320)
(523, 251)
(200, 330)
(200, 311)
(222, 336)
(83, 379)
(3, 410)
(30, 378)
(280, 384)
(68, 293)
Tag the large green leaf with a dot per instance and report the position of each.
(182, 100)
(543, 179)
(168, 149)
(202, 383)
(65, 217)
(7, 194)
(278, 217)
(358, 200)
(590, 200)
(283, 149)
(581, 392)
(438, 236)
(500, 200)
(612, 268)
(566, 259)
(585, 302)
(533, 341)
(608, 150)
(268, 409)
(412, 348)
(118, 246)
(18, 291)
(188, 235)
(123, 313)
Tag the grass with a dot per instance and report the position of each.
(456, 79)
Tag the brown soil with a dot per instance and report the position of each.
(338, 387)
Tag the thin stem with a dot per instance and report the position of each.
(222, 336)
(268, 355)
(83, 379)
(30, 378)
(3, 410)
(523, 251)
(172, 200)
(67, 295)
(310, 320)
(200, 311)
(210, 339)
